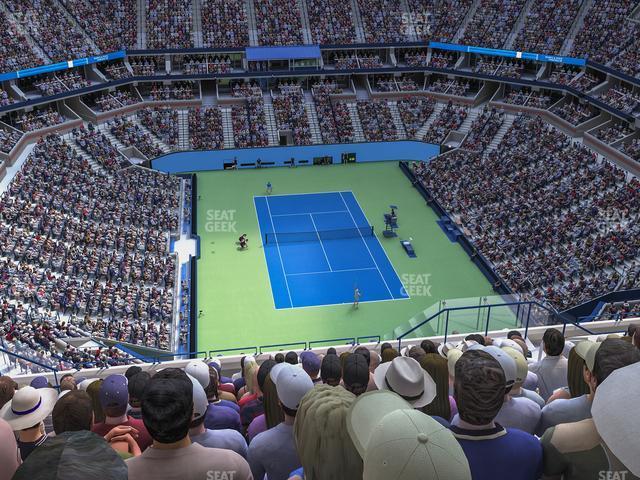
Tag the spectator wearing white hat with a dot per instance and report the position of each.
(578, 408)
(25, 414)
(405, 377)
(228, 439)
(522, 371)
(552, 369)
(574, 450)
(492, 450)
(274, 452)
(397, 442)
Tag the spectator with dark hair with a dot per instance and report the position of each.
(331, 370)
(274, 452)
(93, 390)
(67, 382)
(492, 451)
(476, 337)
(131, 371)
(388, 354)
(291, 358)
(73, 412)
(355, 374)
(137, 384)
(417, 353)
(228, 439)
(7, 388)
(331, 351)
(366, 353)
(429, 347)
(167, 411)
(322, 439)
(552, 369)
(443, 405)
(574, 450)
(114, 399)
(279, 358)
(221, 414)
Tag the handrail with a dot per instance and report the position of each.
(349, 340)
(239, 349)
(260, 351)
(46, 367)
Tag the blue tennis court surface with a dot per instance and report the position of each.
(319, 248)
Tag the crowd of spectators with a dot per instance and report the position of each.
(205, 128)
(628, 60)
(483, 129)
(53, 31)
(621, 98)
(492, 23)
(548, 229)
(382, 21)
(38, 118)
(8, 139)
(162, 122)
(64, 81)
(144, 66)
(383, 83)
(437, 20)
(450, 118)
(105, 258)
(546, 26)
(377, 121)
(333, 116)
(185, 90)
(525, 96)
(613, 132)
(111, 24)
(246, 89)
(574, 112)
(331, 22)
(345, 61)
(479, 408)
(131, 135)
(585, 82)
(116, 70)
(278, 22)
(631, 149)
(224, 23)
(407, 83)
(108, 101)
(563, 74)
(291, 113)
(11, 43)
(451, 87)
(414, 112)
(169, 23)
(5, 99)
(249, 119)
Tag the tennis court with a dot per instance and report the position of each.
(319, 247)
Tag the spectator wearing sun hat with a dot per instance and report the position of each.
(114, 399)
(228, 439)
(274, 452)
(25, 414)
(397, 442)
(573, 409)
(492, 450)
(322, 440)
(405, 377)
(574, 450)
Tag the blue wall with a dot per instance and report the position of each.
(365, 152)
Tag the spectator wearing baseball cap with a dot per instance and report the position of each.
(136, 385)
(397, 442)
(552, 369)
(492, 451)
(331, 370)
(576, 408)
(355, 373)
(522, 369)
(405, 377)
(114, 399)
(574, 450)
(228, 439)
(9, 455)
(221, 414)
(25, 414)
(274, 452)
(367, 354)
(167, 411)
(311, 364)
(322, 440)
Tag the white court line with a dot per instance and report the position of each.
(279, 254)
(345, 303)
(290, 194)
(385, 254)
(266, 264)
(332, 271)
(321, 244)
(365, 244)
(312, 213)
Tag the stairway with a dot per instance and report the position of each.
(425, 128)
(77, 26)
(404, 8)
(522, 18)
(94, 165)
(357, 21)
(304, 19)
(272, 126)
(142, 24)
(197, 23)
(576, 27)
(471, 116)
(227, 128)
(252, 25)
(104, 128)
(314, 123)
(358, 133)
(159, 143)
(465, 22)
(183, 130)
(502, 131)
(397, 120)
(32, 43)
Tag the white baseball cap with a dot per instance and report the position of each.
(198, 370)
(200, 402)
(397, 442)
(291, 383)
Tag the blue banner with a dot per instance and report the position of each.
(539, 57)
(54, 67)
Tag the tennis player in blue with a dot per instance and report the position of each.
(269, 188)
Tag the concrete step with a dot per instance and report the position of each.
(314, 123)
(159, 143)
(397, 120)
(272, 126)
(425, 128)
(358, 133)
(504, 128)
(227, 128)
(183, 130)
(578, 23)
(519, 24)
(467, 19)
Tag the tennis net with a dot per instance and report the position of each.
(313, 236)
